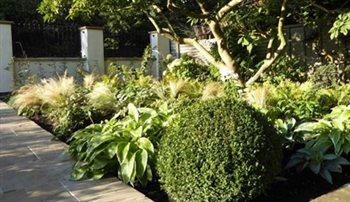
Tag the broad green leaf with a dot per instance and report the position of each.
(111, 149)
(315, 167)
(137, 132)
(79, 172)
(99, 163)
(133, 112)
(149, 173)
(294, 162)
(306, 127)
(146, 144)
(122, 151)
(346, 147)
(141, 162)
(335, 137)
(291, 123)
(342, 161)
(127, 168)
(330, 157)
(145, 117)
(326, 175)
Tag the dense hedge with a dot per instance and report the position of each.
(218, 150)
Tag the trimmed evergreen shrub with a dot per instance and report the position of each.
(218, 150)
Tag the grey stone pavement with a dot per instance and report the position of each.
(33, 167)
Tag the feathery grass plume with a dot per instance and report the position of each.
(178, 86)
(27, 96)
(258, 95)
(54, 92)
(160, 89)
(102, 96)
(89, 81)
(213, 90)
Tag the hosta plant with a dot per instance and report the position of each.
(286, 129)
(124, 147)
(328, 140)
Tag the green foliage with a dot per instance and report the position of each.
(216, 151)
(127, 146)
(59, 102)
(128, 86)
(301, 101)
(187, 68)
(327, 140)
(341, 26)
(287, 67)
(325, 75)
(286, 129)
(319, 162)
(72, 115)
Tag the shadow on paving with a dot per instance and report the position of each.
(34, 167)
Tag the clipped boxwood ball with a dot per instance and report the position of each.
(218, 150)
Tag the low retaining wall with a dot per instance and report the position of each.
(26, 69)
(129, 62)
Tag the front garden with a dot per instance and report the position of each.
(237, 125)
(197, 137)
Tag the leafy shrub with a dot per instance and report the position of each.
(130, 86)
(126, 146)
(286, 129)
(325, 75)
(302, 101)
(287, 67)
(216, 151)
(187, 68)
(327, 140)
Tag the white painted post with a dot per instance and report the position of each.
(160, 49)
(6, 68)
(92, 48)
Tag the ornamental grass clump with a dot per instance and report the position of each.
(55, 92)
(102, 97)
(218, 150)
(27, 99)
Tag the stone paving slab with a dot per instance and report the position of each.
(340, 195)
(34, 167)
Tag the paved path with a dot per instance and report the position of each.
(34, 168)
(340, 195)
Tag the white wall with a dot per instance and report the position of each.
(27, 69)
(129, 62)
(92, 48)
(6, 72)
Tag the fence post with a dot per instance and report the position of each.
(92, 48)
(160, 49)
(6, 66)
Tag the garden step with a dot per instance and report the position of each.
(340, 195)
(34, 167)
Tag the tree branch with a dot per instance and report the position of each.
(182, 40)
(271, 57)
(171, 6)
(227, 8)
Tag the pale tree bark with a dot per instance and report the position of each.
(272, 57)
(228, 66)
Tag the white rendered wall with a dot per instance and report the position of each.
(129, 62)
(35, 69)
(160, 49)
(6, 70)
(92, 49)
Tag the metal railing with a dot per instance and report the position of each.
(45, 40)
(125, 44)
